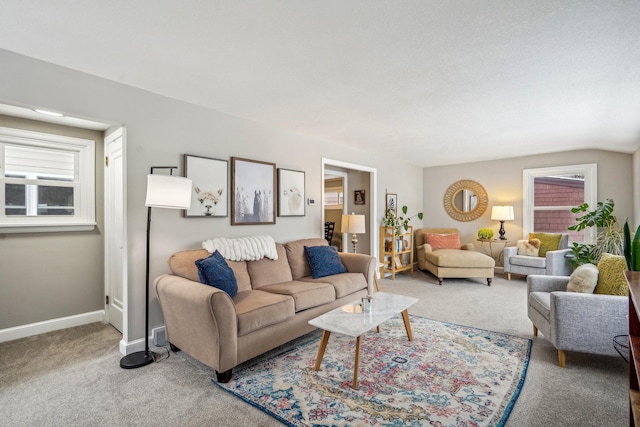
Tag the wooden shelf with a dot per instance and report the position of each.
(633, 278)
(396, 251)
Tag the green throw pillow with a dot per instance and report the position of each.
(548, 242)
(611, 280)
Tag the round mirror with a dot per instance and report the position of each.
(465, 200)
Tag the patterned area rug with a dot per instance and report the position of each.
(449, 375)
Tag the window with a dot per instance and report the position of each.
(47, 182)
(551, 193)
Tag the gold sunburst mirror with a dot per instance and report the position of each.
(465, 200)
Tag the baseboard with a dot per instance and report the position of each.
(138, 345)
(31, 329)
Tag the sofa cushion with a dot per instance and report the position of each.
(305, 294)
(268, 271)
(611, 280)
(443, 241)
(344, 284)
(548, 242)
(257, 309)
(541, 302)
(324, 261)
(297, 258)
(583, 279)
(214, 271)
(459, 258)
(183, 264)
(528, 261)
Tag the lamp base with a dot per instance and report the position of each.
(136, 360)
(502, 231)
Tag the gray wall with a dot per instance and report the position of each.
(503, 181)
(51, 275)
(159, 131)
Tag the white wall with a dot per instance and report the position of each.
(160, 130)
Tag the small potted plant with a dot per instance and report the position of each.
(485, 233)
(399, 223)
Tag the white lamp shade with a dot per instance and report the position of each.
(168, 191)
(502, 213)
(353, 224)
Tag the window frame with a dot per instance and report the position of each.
(590, 171)
(84, 183)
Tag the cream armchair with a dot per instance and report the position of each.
(462, 262)
(553, 264)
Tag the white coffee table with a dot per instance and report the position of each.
(352, 321)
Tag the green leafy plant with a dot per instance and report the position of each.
(632, 247)
(609, 236)
(485, 233)
(400, 222)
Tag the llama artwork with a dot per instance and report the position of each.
(208, 200)
(290, 193)
(253, 192)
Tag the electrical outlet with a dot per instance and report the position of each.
(159, 337)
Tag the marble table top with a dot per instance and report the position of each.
(352, 320)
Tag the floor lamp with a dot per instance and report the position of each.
(167, 192)
(353, 224)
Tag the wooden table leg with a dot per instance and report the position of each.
(354, 385)
(321, 349)
(407, 325)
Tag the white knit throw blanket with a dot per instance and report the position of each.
(250, 248)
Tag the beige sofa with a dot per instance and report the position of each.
(464, 262)
(275, 301)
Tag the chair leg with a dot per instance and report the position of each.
(440, 281)
(508, 276)
(561, 358)
(489, 279)
(535, 331)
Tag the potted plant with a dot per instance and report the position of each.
(609, 236)
(399, 223)
(632, 247)
(485, 233)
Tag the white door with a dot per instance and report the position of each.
(115, 229)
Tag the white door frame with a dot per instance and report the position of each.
(373, 183)
(109, 232)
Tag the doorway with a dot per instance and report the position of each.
(359, 196)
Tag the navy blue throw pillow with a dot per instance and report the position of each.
(324, 261)
(214, 271)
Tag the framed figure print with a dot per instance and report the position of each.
(210, 178)
(290, 193)
(358, 197)
(253, 198)
(392, 203)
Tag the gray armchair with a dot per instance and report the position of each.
(553, 264)
(574, 321)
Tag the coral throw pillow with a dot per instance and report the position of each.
(443, 241)
(611, 280)
(548, 242)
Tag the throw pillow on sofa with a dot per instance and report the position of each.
(324, 261)
(443, 241)
(548, 242)
(584, 279)
(611, 280)
(528, 247)
(214, 271)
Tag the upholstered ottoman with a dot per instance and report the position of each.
(463, 262)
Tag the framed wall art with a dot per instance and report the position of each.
(392, 203)
(358, 197)
(253, 198)
(291, 195)
(210, 179)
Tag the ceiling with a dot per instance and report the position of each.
(430, 82)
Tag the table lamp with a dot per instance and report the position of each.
(502, 214)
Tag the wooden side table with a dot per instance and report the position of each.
(500, 258)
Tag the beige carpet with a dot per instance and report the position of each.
(72, 377)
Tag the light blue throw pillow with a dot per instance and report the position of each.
(214, 271)
(324, 261)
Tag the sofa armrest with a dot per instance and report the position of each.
(361, 263)
(557, 264)
(507, 253)
(200, 320)
(542, 283)
(587, 322)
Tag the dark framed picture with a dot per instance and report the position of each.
(358, 197)
(253, 198)
(392, 203)
(210, 179)
(290, 193)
